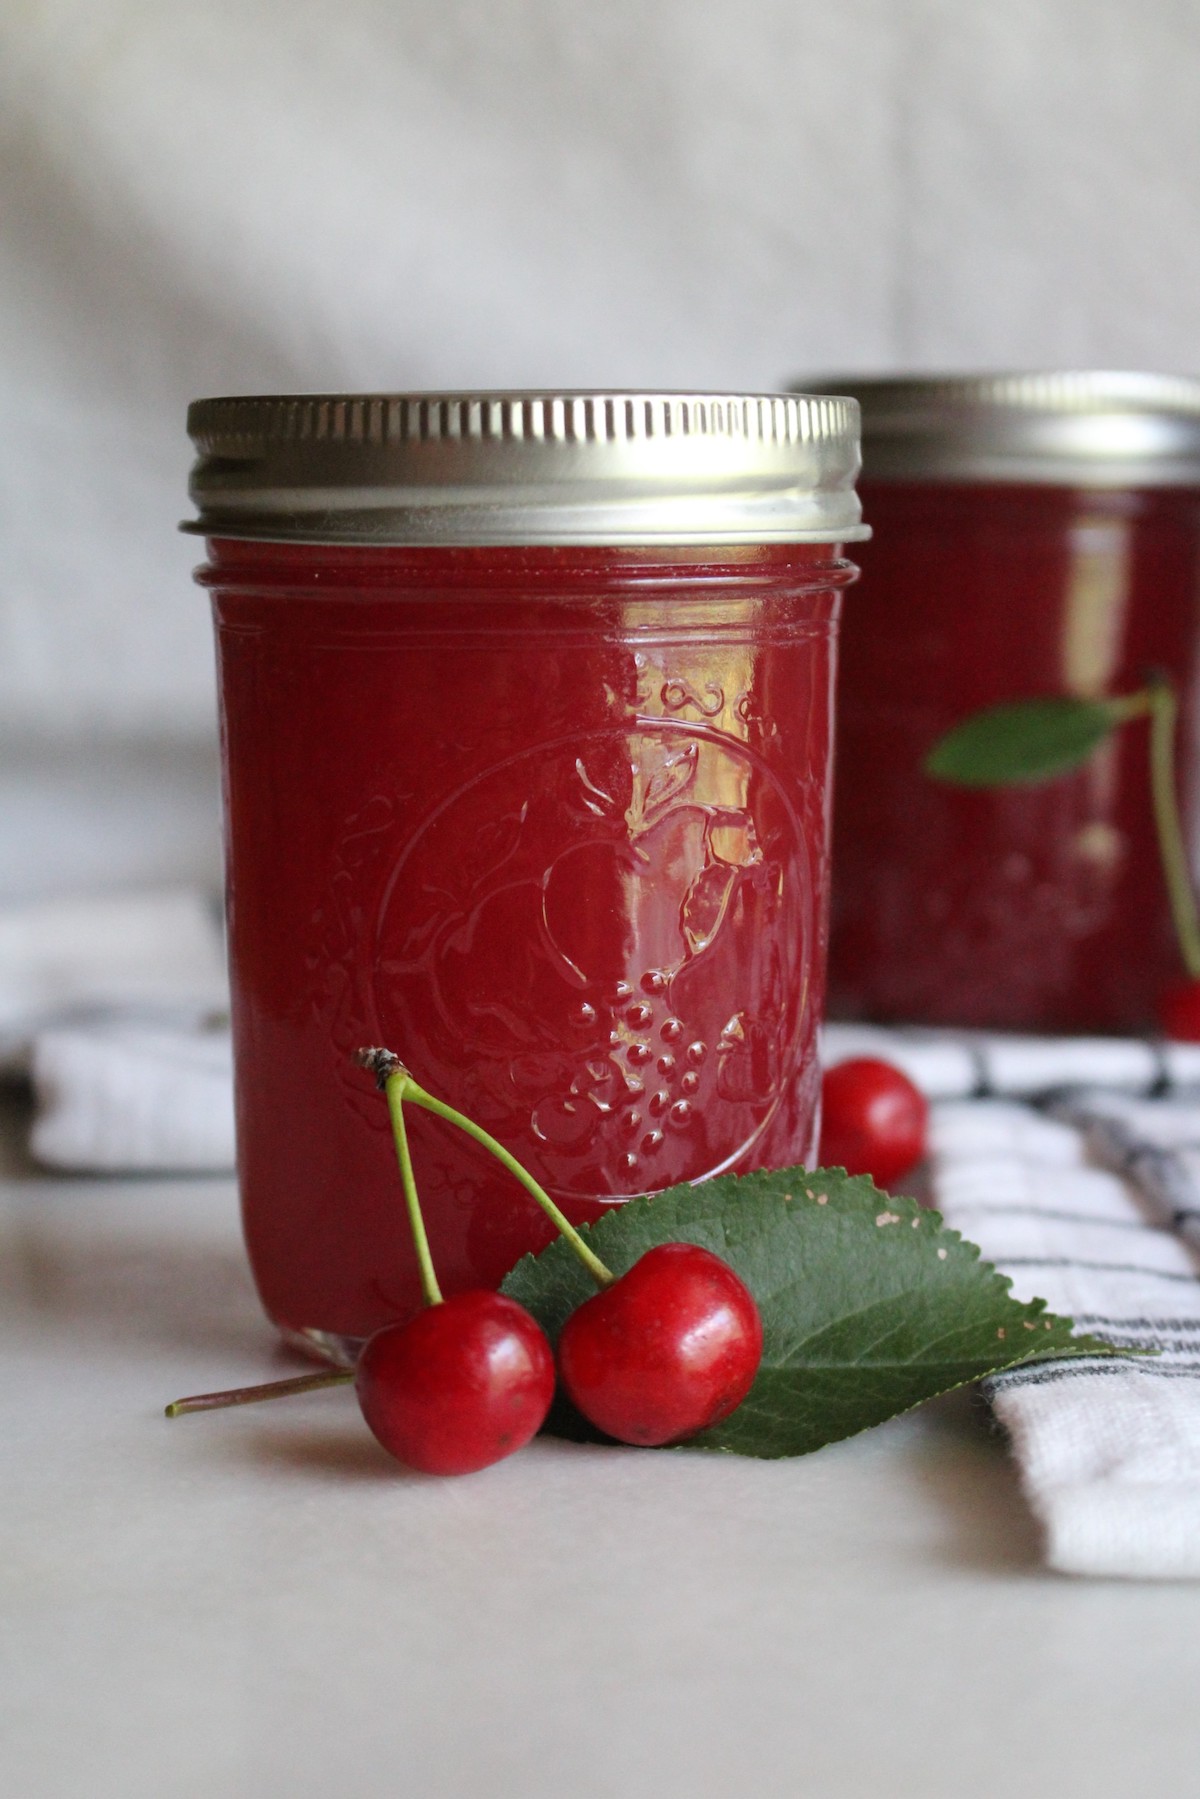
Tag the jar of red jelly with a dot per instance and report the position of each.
(1034, 534)
(526, 706)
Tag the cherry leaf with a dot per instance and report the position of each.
(1022, 743)
(870, 1304)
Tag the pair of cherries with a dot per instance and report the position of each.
(668, 1349)
(655, 1356)
(664, 1351)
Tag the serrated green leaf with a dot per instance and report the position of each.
(1018, 744)
(870, 1304)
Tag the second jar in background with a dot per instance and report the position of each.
(1034, 535)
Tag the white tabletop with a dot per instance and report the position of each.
(259, 1603)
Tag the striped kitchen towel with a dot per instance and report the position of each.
(1088, 1196)
(949, 1064)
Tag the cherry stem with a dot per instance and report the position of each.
(391, 1074)
(397, 1088)
(603, 1277)
(1164, 715)
(274, 1389)
(1159, 700)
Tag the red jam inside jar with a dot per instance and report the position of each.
(551, 822)
(1038, 907)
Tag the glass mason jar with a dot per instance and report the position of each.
(526, 706)
(1034, 535)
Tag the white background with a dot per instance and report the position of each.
(204, 196)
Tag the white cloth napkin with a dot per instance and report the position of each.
(126, 1098)
(116, 1007)
(1090, 1200)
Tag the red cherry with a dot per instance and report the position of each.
(463, 1384)
(1179, 1012)
(669, 1348)
(873, 1120)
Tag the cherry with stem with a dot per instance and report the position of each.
(1179, 1005)
(667, 1349)
(659, 1353)
(464, 1383)
(1159, 701)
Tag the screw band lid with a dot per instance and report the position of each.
(527, 468)
(1089, 428)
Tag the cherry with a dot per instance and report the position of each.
(459, 1386)
(1179, 1012)
(873, 1120)
(668, 1349)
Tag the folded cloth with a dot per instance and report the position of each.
(131, 1099)
(116, 1008)
(156, 955)
(1092, 1202)
(1156, 1144)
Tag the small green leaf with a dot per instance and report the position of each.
(1028, 741)
(870, 1304)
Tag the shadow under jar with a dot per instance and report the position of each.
(526, 707)
(1034, 535)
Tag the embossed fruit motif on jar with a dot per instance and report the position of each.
(527, 712)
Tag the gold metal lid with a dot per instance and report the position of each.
(527, 468)
(1089, 428)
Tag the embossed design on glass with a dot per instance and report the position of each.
(640, 895)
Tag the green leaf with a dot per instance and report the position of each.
(1028, 741)
(870, 1304)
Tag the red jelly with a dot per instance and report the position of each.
(549, 819)
(1033, 535)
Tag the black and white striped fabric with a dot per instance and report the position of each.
(1075, 1165)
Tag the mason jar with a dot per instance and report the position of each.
(526, 713)
(1035, 534)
